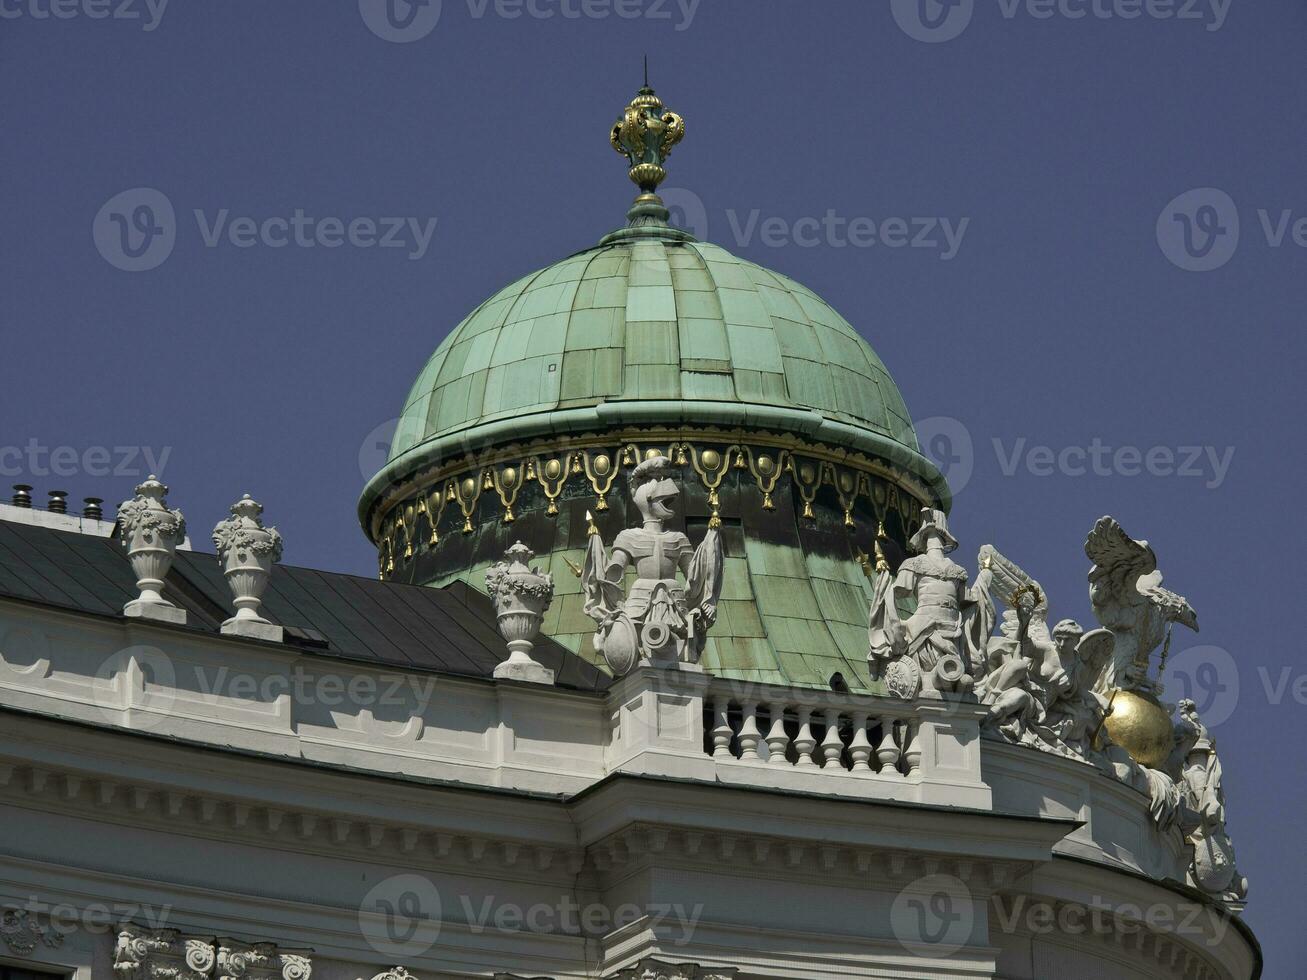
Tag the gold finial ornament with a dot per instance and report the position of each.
(646, 135)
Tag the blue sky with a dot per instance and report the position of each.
(1070, 229)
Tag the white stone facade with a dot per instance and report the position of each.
(180, 804)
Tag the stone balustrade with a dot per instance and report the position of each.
(806, 729)
(686, 724)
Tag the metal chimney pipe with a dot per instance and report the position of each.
(58, 502)
(92, 510)
(22, 495)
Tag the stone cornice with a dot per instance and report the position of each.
(607, 832)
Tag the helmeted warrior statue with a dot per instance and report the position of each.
(924, 653)
(660, 620)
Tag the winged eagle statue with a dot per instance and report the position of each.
(1125, 589)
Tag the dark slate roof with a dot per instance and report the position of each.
(448, 630)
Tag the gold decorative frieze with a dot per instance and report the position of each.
(417, 522)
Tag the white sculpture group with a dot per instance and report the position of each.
(1052, 689)
(150, 533)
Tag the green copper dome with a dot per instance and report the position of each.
(786, 429)
(683, 328)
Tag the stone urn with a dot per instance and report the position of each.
(521, 595)
(247, 551)
(149, 534)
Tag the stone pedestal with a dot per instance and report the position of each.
(159, 612)
(659, 729)
(253, 629)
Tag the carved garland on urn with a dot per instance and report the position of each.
(449, 503)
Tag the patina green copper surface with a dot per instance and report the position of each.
(651, 321)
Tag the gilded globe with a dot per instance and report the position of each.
(1140, 725)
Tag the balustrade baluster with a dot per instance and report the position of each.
(721, 732)
(832, 747)
(749, 735)
(860, 745)
(887, 750)
(804, 743)
(912, 754)
(778, 740)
